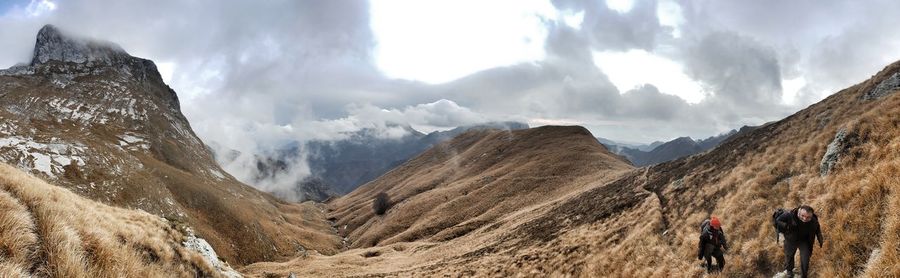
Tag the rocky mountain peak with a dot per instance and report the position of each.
(53, 45)
(684, 140)
(87, 116)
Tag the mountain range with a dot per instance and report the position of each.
(340, 166)
(658, 152)
(102, 176)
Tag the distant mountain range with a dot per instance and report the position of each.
(338, 167)
(658, 152)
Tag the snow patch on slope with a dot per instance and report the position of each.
(48, 159)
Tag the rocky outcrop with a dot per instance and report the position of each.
(52, 45)
(886, 87)
(200, 245)
(838, 145)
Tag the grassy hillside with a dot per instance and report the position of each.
(596, 221)
(458, 197)
(47, 231)
(472, 181)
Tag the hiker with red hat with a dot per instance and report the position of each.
(712, 242)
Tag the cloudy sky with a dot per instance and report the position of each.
(252, 74)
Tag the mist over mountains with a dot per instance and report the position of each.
(318, 169)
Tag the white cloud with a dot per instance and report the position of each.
(631, 69)
(426, 117)
(791, 90)
(39, 7)
(574, 20)
(622, 6)
(294, 69)
(166, 70)
(669, 14)
(439, 41)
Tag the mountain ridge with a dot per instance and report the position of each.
(108, 128)
(840, 156)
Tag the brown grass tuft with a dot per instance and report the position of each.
(48, 231)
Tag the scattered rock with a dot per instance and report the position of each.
(200, 245)
(678, 185)
(874, 257)
(886, 87)
(783, 274)
(823, 119)
(838, 145)
(19, 69)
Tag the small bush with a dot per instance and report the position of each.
(381, 203)
(370, 254)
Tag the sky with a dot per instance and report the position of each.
(253, 75)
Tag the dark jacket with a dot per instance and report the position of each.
(715, 237)
(797, 231)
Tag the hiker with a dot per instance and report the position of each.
(800, 227)
(712, 242)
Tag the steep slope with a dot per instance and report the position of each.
(841, 156)
(458, 195)
(348, 164)
(471, 182)
(89, 117)
(47, 231)
(849, 176)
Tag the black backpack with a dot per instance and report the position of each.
(778, 212)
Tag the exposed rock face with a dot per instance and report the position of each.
(200, 245)
(838, 145)
(89, 117)
(886, 87)
(51, 45)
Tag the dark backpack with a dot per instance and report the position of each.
(778, 212)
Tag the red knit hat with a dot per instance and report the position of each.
(714, 221)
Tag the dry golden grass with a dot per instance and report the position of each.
(643, 223)
(243, 224)
(472, 181)
(466, 192)
(172, 175)
(47, 231)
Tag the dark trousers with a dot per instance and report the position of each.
(711, 251)
(790, 248)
